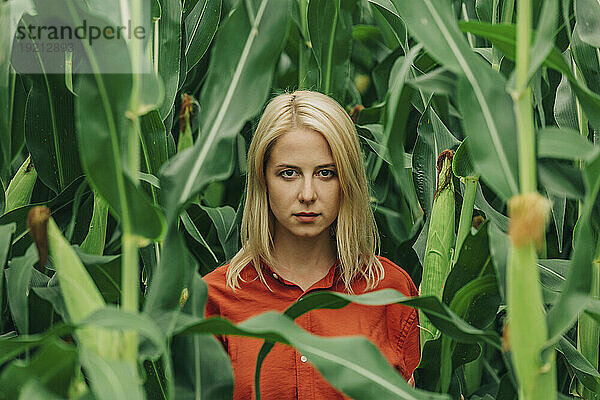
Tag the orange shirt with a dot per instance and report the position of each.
(286, 374)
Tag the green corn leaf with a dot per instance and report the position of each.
(21, 186)
(372, 377)
(389, 23)
(10, 13)
(433, 137)
(12, 346)
(192, 230)
(2, 198)
(154, 147)
(587, 14)
(586, 373)
(57, 205)
(204, 370)
(245, 53)
(169, 52)
(101, 123)
(80, 294)
(54, 366)
(586, 60)
(154, 142)
(96, 238)
(462, 166)
(330, 29)
(111, 379)
(487, 109)
(223, 218)
(153, 348)
(565, 107)
(50, 130)
(18, 114)
(113, 318)
(79, 291)
(105, 272)
(33, 390)
(6, 233)
(565, 144)
(448, 322)
(503, 36)
(474, 261)
(200, 27)
(561, 179)
(441, 314)
(543, 43)
(238, 82)
(427, 375)
(439, 81)
(578, 285)
(18, 276)
(397, 109)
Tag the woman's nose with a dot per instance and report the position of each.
(307, 191)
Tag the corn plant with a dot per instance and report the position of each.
(119, 191)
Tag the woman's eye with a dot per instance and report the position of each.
(327, 173)
(288, 173)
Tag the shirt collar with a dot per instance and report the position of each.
(325, 283)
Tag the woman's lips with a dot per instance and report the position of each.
(306, 217)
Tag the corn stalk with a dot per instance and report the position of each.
(440, 239)
(129, 243)
(528, 214)
(588, 329)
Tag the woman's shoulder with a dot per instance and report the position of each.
(216, 279)
(396, 278)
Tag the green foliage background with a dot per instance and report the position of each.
(147, 186)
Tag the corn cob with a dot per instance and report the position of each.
(440, 239)
(185, 131)
(528, 331)
(21, 186)
(80, 294)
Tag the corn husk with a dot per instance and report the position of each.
(440, 241)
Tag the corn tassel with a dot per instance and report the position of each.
(440, 239)
(21, 186)
(79, 292)
(528, 331)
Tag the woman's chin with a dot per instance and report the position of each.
(307, 232)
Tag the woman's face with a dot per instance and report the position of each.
(302, 184)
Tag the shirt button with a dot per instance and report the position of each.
(303, 359)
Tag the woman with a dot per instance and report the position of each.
(308, 226)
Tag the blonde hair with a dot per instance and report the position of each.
(356, 236)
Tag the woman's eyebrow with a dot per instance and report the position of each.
(295, 166)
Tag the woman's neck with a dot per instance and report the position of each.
(303, 256)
